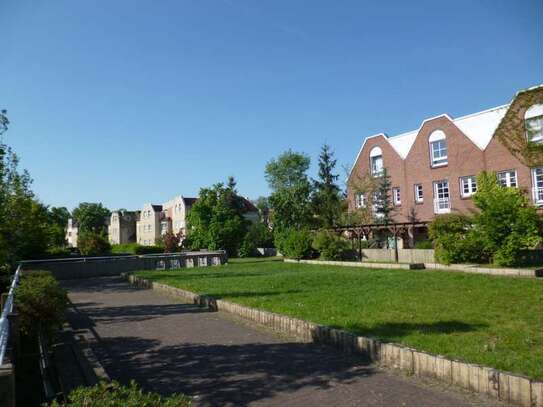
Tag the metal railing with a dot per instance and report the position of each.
(4, 320)
(538, 195)
(442, 205)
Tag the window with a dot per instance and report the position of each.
(442, 202)
(359, 201)
(396, 196)
(508, 178)
(537, 174)
(376, 161)
(438, 148)
(533, 122)
(375, 206)
(468, 186)
(419, 196)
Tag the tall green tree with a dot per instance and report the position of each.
(327, 199)
(290, 201)
(58, 219)
(383, 208)
(216, 220)
(91, 216)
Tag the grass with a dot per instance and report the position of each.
(492, 321)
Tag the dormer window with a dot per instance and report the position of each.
(533, 122)
(376, 161)
(438, 148)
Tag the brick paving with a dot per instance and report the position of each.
(168, 347)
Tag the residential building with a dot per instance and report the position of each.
(122, 226)
(178, 208)
(149, 226)
(433, 169)
(71, 232)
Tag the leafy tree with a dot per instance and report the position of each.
(290, 200)
(91, 216)
(327, 199)
(216, 220)
(171, 242)
(507, 223)
(93, 243)
(57, 219)
(294, 243)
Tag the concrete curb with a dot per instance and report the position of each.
(457, 268)
(504, 386)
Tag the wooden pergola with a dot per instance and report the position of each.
(396, 229)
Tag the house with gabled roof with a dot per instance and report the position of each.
(433, 169)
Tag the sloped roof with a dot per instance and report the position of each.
(189, 201)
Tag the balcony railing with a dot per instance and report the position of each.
(538, 196)
(442, 205)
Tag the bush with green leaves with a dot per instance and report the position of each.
(93, 243)
(40, 302)
(115, 395)
(329, 245)
(294, 243)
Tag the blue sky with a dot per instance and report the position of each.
(126, 102)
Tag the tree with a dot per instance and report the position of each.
(91, 216)
(290, 200)
(382, 203)
(216, 220)
(171, 242)
(262, 203)
(327, 199)
(507, 223)
(58, 218)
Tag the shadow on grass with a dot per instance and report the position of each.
(395, 330)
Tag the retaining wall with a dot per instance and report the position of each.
(404, 255)
(86, 267)
(500, 385)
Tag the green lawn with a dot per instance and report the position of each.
(493, 321)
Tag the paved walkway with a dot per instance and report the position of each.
(167, 347)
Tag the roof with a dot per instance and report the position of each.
(248, 206)
(478, 127)
(157, 208)
(189, 201)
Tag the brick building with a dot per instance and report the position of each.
(433, 169)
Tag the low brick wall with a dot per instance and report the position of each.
(500, 385)
(86, 267)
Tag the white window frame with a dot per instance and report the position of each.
(533, 121)
(376, 156)
(442, 196)
(438, 138)
(507, 178)
(468, 183)
(419, 193)
(537, 182)
(396, 196)
(359, 201)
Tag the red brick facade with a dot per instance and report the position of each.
(464, 158)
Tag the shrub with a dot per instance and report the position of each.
(125, 248)
(113, 394)
(91, 243)
(507, 223)
(41, 302)
(248, 247)
(424, 245)
(294, 243)
(260, 234)
(171, 242)
(329, 245)
(139, 249)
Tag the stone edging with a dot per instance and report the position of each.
(500, 385)
(462, 268)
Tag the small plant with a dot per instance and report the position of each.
(329, 245)
(115, 395)
(41, 302)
